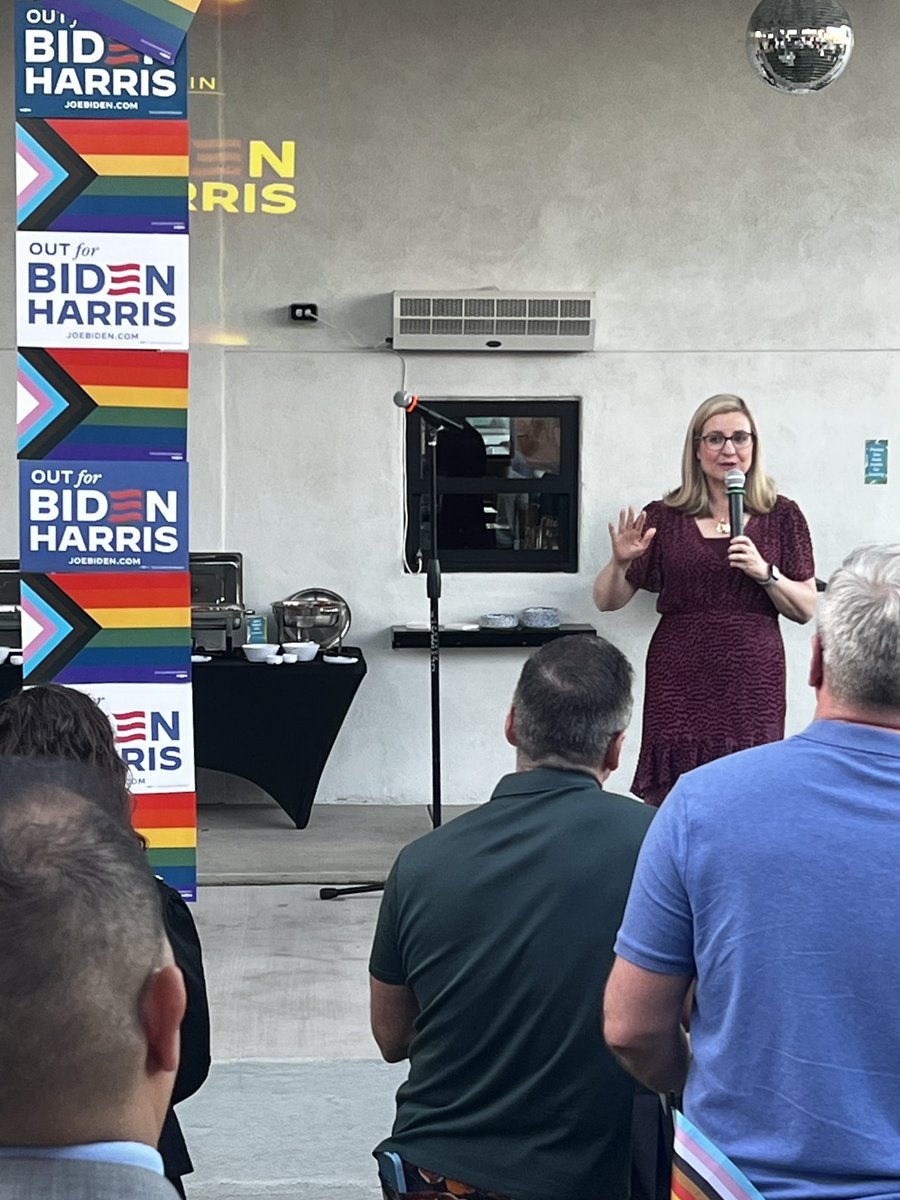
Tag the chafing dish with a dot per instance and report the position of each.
(312, 615)
(218, 615)
(10, 612)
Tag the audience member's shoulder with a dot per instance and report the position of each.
(436, 842)
(753, 776)
(169, 897)
(176, 911)
(629, 811)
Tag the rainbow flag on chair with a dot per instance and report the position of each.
(702, 1172)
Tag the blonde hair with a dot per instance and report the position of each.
(692, 497)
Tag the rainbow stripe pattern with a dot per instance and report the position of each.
(107, 628)
(102, 176)
(168, 821)
(700, 1171)
(157, 27)
(115, 630)
(102, 405)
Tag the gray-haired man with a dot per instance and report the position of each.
(493, 944)
(772, 875)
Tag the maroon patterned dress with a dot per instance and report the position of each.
(715, 667)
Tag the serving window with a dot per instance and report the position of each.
(507, 485)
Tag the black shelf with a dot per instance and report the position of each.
(403, 638)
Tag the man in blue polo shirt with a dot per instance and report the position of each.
(773, 878)
(493, 944)
(90, 999)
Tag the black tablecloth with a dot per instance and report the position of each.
(272, 725)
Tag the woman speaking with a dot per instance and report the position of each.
(715, 667)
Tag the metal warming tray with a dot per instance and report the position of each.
(10, 612)
(312, 615)
(218, 615)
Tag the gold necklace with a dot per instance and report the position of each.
(723, 526)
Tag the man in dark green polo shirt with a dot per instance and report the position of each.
(494, 941)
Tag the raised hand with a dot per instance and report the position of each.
(630, 539)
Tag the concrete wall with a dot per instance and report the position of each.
(739, 240)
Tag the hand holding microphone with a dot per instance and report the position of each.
(742, 553)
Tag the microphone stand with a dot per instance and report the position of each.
(428, 542)
(433, 591)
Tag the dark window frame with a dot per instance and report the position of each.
(566, 484)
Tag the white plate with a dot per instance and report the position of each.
(340, 659)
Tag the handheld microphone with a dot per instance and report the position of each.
(411, 403)
(734, 488)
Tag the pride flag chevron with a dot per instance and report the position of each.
(102, 405)
(53, 629)
(700, 1171)
(99, 628)
(102, 176)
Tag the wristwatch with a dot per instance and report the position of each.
(774, 576)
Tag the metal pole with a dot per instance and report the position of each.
(434, 641)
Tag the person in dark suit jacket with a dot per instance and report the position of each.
(91, 1001)
(195, 1034)
(59, 722)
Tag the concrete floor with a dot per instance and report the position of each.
(298, 1095)
(343, 843)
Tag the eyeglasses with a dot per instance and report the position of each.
(716, 441)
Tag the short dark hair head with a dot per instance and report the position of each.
(52, 721)
(572, 698)
(80, 931)
(59, 722)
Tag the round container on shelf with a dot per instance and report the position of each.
(539, 618)
(498, 621)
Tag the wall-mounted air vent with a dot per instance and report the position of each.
(531, 321)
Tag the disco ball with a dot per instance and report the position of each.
(799, 45)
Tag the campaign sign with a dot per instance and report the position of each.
(153, 724)
(83, 517)
(85, 290)
(64, 69)
(101, 404)
(97, 627)
(85, 176)
(168, 823)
